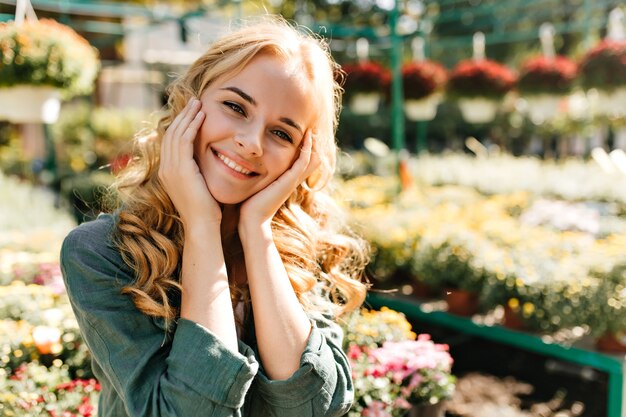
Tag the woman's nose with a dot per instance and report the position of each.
(250, 142)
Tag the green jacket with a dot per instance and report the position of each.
(187, 371)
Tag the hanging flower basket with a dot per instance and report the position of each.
(5, 104)
(49, 56)
(542, 107)
(611, 103)
(422, 83)
(478, 109)
(479, 86)
(422, 109)
(604, 68)
(364, 103)
(543, 82)
(30, 104)
(364, 85)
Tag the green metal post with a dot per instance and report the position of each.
(397, 111)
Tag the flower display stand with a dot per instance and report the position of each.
(423, 109)
(364, 103)
(478, 110)
(581, 352)
(30, 104)
(542, 107)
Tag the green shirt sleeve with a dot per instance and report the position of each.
(323, 382)
(194, 375)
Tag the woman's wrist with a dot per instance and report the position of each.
(249, 230)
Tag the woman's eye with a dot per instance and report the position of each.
(283, 136)
(235, 107)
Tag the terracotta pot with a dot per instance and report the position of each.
(421, 290)
(461, 302)
(427, 410)
(513, 320)
(610, 343)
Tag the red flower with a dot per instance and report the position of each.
(365, 77)
(542, 75)
(422, 78)
(86, 409)
(482, 78)
(604, 66)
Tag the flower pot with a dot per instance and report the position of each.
(427, 410)
(512, 319)
(612, 103)
(364, 103)
(542, 107)
(461, 302)
(611, 343)
(30, 104)
(478, 109)
(5, 103)
(422, 109)
(421, 290)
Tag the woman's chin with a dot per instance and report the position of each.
(227, 198)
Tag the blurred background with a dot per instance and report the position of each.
(482, 151)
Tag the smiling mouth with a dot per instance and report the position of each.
(234, 166)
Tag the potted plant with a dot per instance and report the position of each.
(423, 83)
(604, 68)
(42, 62)
(479, 85)
(543, 81)
(450, 267)
(364, 85)
(607, 310)
(396, 373)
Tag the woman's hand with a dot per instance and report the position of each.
(261, 207)
(179, 172)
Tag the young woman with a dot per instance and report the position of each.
(211, 290)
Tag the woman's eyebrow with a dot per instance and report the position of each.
(291, 123)
(241, 94)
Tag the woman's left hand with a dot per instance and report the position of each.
(261, 207)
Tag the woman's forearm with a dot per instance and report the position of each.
(206, 294)
(282, 327)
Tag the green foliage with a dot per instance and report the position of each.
(45, 52)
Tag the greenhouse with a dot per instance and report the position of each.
(388, 208)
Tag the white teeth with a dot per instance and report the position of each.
(233, 165)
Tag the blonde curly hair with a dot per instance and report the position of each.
(309, 231)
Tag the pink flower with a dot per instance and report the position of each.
(376, 409)
(354, 352)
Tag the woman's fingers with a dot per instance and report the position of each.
(189, 135)
(180, 126)
(177, 142)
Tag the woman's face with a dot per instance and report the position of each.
(254, 124)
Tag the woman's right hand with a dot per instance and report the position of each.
(179, 172)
